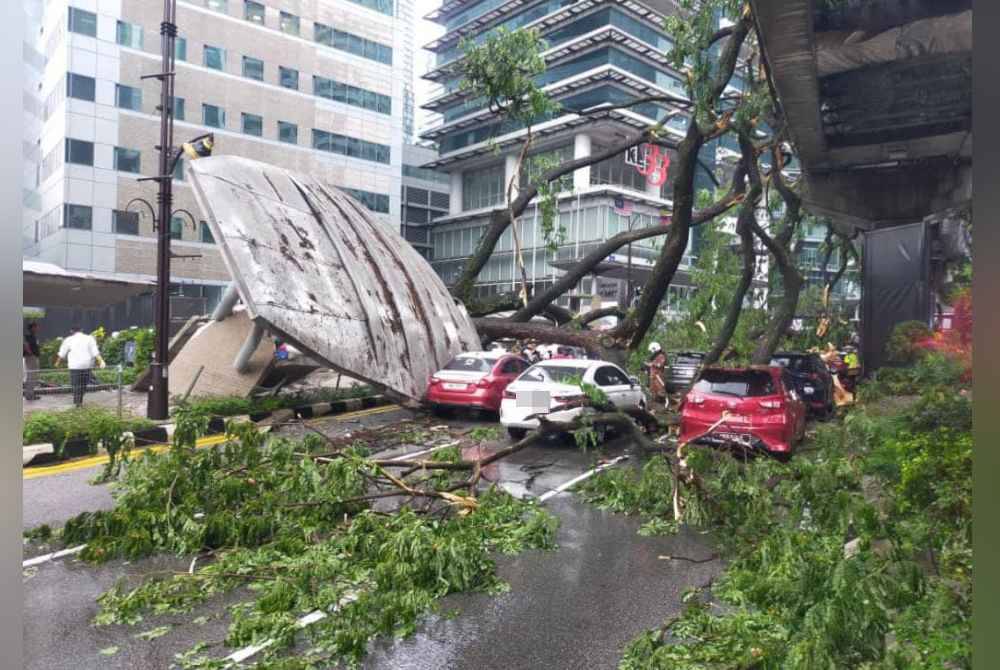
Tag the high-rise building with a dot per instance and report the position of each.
(598, 52)
(319, 87)
(425, 197)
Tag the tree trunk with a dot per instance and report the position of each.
(743, 229)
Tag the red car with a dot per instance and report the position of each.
(474, 380)
(765, 411)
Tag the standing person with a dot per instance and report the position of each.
(656, 364)
(80, 352)
(31, 355)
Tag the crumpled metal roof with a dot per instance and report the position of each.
(314, 266)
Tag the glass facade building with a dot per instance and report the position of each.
(597, 53)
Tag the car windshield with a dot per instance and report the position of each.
(793, 363)
(560, 374)
(741, 383)
(471, 364)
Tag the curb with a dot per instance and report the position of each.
(44, 454)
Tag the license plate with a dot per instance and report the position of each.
(537, 401)
(809, 390)
(450, 386)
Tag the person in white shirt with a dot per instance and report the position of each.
(80, 352)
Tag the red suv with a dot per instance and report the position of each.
(763, 409)
(474, 380)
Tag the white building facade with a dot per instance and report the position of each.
(319, 86)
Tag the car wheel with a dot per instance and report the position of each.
(517, 434)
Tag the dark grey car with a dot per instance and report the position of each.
(682, 368)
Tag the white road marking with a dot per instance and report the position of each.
(406, 457)
(45, 558)
(576, 480)
(309, 619)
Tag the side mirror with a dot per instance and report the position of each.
(634, 381)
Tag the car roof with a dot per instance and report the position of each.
(571, 362)
(482, 354)
(745, 368)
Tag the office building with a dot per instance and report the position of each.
(598, 52)
(319, 87)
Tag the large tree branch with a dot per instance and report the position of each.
(633, 329)
(748, 213)
(501, 218)
(595, 314)
(584, 266)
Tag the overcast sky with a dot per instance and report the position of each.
(424, 60)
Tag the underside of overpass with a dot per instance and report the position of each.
(877, 95)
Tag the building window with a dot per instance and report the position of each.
(376, 202)
(206, 233)
(482, 188)
(125, 223)
(288, 77)
(215, 57)
(217, 5)
(176, 228)
(82, 22)
(128, 97)
(127, 160)
(212, 116)
(288, 132)
(129, 35)
(178, 108)
(350, 146)
(350, 43)
(180, 48)
(79, 152)
(80, 87)
(253, 68)
(79, 217)
(179, 169)
(253, 11)
(289, 23)
(351, 95)
(252, 124)
(383, 6)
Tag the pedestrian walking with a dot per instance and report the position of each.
(31, 356)
(80, 352)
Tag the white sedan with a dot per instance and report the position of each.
(549, 387)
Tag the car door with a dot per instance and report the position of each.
(615, 384)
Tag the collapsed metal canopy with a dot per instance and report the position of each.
(313, 265)
(48, 285)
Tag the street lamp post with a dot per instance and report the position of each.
(157, 401)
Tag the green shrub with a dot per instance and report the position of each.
(91, 422)
(901, 348)
(113, 349)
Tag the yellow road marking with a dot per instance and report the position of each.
(94, 461)
(361, 412)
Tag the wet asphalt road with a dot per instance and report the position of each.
(575, 607)
(570, 609)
